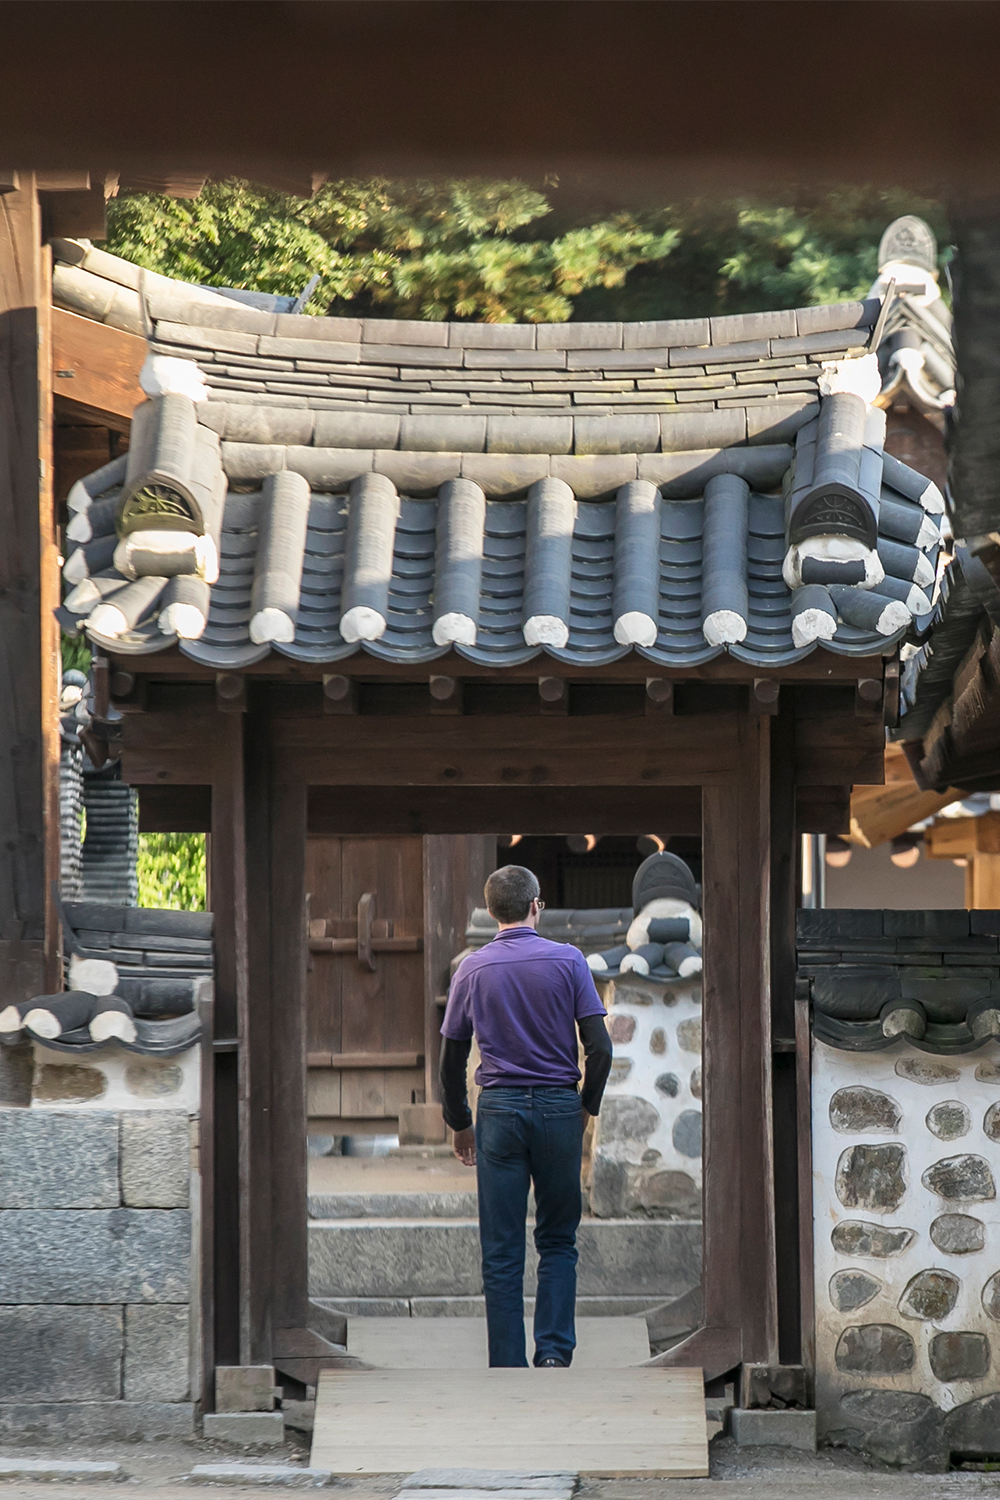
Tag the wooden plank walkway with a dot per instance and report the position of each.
(631, 1422)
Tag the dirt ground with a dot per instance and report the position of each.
(160, 1468)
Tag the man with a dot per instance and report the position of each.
(523, 998)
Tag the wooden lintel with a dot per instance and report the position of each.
(95, 370)
(819, 668)
(958, 838)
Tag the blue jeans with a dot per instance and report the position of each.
(526, 1135)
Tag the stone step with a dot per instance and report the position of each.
(428, 1257)
(475, 1307)
(400, 1205)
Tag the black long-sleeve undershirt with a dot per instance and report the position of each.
(454, 1067)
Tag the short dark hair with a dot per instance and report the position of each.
(510, 892)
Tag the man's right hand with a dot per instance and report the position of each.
(464, 1145)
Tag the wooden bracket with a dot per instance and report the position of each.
(340, 694)
(868, 696)
(659, 695)
(764, 695)
(553, 694)
(446, 695)
(231, 692)
(890, 699)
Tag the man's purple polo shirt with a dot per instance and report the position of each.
(522, 997)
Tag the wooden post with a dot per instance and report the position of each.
(783, 1033)
(29, 661)
(221, 1215)
(455, 871)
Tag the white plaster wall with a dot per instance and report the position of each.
(973, 1080)
(130, 1080)
(667, 1014)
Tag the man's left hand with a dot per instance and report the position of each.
(464, 1145)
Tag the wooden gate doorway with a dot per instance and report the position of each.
(741, 763)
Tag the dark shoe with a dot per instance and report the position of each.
(551, 1364)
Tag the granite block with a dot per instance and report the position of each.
(157, 1352)
(774, 1429)
(60, 1353)
(48, 1161)
(265, 1429)
(82, 1256)
(94, 1421)
(155, 1159)
(270, 1476)
(244, 1388)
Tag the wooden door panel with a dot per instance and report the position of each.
(355, 1008)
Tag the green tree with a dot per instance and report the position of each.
(502, 251)
(172, 871)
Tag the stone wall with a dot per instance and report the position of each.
(647, 1145)
(906, 1157)
(906, 1161)
(98, 1203)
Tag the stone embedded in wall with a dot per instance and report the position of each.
(620, 1188)
(621, 1067)
(686, 1133)
(991, 1297)
(962, 1179)
(923, 1070)
(157, 1341)
(971, 1429)
(872, 1177)
(958, 1234)
(864, 1111)
(988, 1072)
(991, 1122)
(627, 994)
(853, 1289)
(47, 1161)
(156, 1161)
(621, 1028)
(658, 1041)
(903, 1429)
(665, 1194)
(930, 1295)
(68, 1083)
(153, 1078)
(859, 1237)
(668, 1084)
(689, 1034)
(960, 1356)
(948, 1120)
(875, 1349)
(62, 1353)
(628, 1118)
(694, 1083)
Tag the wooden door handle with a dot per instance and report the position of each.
(366, 916)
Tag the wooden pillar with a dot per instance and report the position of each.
(221, 1178)
(29, 654)
(982, 882)
(783, 1034)
(739, 1277)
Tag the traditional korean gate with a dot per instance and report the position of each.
(365, 984)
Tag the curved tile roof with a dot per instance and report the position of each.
(539, 464)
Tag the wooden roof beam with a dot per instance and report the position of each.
(95, 370)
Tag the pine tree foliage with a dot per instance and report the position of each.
(507, 251)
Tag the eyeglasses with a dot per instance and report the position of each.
(540, 905)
